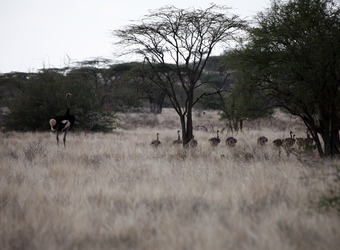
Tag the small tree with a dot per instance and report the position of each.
(176, 44)
(86, 86)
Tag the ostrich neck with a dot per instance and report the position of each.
(68, 102)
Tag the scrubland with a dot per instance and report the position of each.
(115, 191)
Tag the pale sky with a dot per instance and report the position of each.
(38, 34)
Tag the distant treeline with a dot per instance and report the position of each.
(28, 100)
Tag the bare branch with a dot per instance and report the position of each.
(176, 44)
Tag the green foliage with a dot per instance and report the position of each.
(237, 99)
(291, 59)
(246, 101)
(124, 86)
(35, 102)
(291, 53)
(215, 80)
(43, 95)
(244, 105)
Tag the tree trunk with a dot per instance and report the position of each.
(183, 126)
(327, 128)
(330, 137)
(235, 124)
(334, 132)
(186, 121)
(314, 130)
(329, 132)
(318, 143)
(189, 129)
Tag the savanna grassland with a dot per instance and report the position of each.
(114, 191)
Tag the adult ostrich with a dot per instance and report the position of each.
(63, 123)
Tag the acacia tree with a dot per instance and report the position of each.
(176, 44)
(293, 58)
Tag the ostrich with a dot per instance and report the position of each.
(300, 142)
(157, 142)
(290, 141)
(231, 142)
(193, 143)
(262, 140)
(63, 123)
(215, 140)
(278, 143)
(305, 143)
(178, 141)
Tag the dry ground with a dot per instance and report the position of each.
(114, 191)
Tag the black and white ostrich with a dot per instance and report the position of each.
(63, 123)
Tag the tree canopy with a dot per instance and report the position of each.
(292, 58)
(176, 44)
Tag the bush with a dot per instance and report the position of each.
(43, 96)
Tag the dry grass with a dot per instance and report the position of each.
(114, 191)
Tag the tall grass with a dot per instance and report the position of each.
(114, 191)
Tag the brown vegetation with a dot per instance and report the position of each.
(115, 191)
